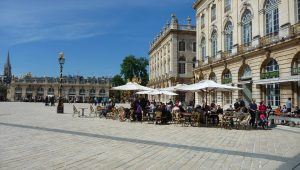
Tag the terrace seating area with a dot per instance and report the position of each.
(193, 117)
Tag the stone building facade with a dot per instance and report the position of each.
(253, 44)
(172, 56)
(75, 88)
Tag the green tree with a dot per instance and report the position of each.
(135, 67)
(117, 80)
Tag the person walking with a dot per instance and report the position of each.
(288, 105)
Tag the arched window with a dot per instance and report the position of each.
(194, 62)
(29, 90)
(18, 90)
(213, 12)
(102, 92)
(272, 90)
(92, 92)
(227, 5)
(40, 91)
(228, 36)
(227, 78)
(51, 91)
(212, 76)
(82, 91)
(181, 45)
(203, 49)
(271, 16)
(246, 27)
(181, 65)
(271, 70)
(214, 44)
(72, 91)
(247, 73)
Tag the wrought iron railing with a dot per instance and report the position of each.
(296, 71)
(227, 80)
(268, 75)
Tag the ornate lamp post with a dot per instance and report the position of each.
(60, 106)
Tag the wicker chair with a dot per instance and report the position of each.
(75, 111)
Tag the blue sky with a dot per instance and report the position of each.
(95, 35)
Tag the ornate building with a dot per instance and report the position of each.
(172, 55)
(254, 44)
(75, 88)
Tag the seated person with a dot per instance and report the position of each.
(297, 111)
(219, 110)
(230, 108)
(277, 111)
(284, 109)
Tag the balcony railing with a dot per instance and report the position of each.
(296, 71)
(269, 39)
(225, 54)
(227, 80)
(295, 29)
(186, 27)
(244, 47)
(268, 75)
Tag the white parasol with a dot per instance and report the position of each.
(131, 86)
(157, 92)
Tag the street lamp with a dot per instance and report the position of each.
(60, 106)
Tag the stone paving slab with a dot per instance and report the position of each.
(33, 136)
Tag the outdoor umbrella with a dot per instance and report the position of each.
(173, 88)
(206, 86)
(157, 92)
(131, 86)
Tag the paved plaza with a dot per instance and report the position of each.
(33, 136)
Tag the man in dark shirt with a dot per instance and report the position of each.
(252, 110)
(236, 105)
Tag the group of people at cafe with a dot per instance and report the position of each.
(259, 112)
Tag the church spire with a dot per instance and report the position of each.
(7, 60)
(7, 70)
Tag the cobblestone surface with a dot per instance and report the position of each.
(33, 136)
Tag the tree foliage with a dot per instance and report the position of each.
(135, 67)
(117, 80)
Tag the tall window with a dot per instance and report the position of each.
(298, 10)
(246, 27)
(227, 5)
(182, 46)
(273, 94)
(228, 36)
(227, 78)
(181, 65)
(213, 12)
(194, 62)
(194, 46)
(202, 21)
(214, 44)
(203, 49)
(271, 16)
(51, 91)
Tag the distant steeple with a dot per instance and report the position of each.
(7, 69)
